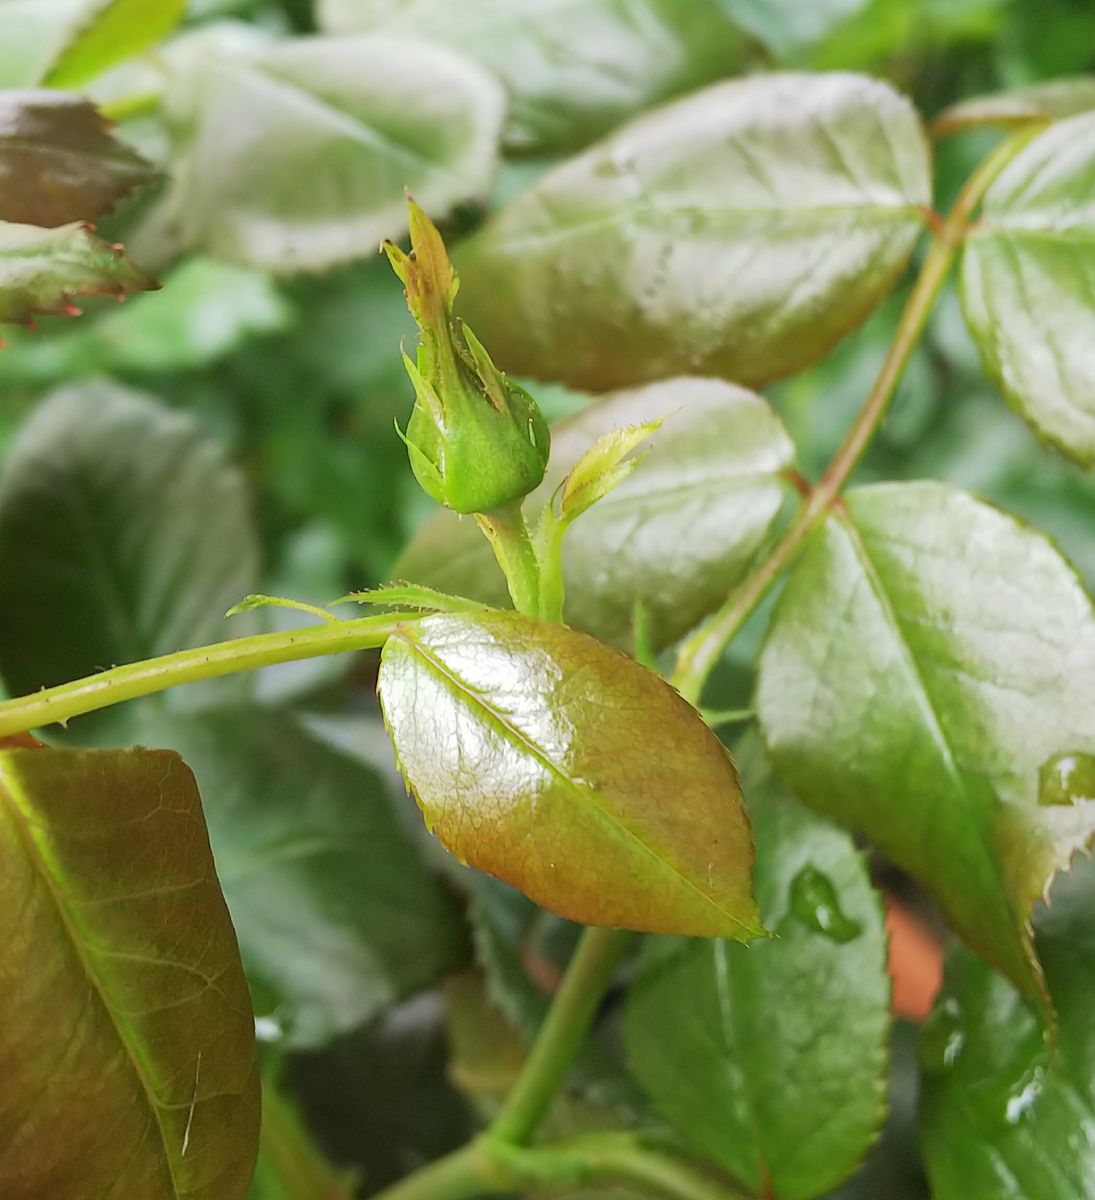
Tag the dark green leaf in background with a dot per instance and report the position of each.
(772, 1058)
(1027, 285)
(927, 657)
(58, 161)
(573, 68)
(123, 534)
(336, 915)
(295, 154)
(127, 1047)
(290, 1165)
(1004, 1118)
(559, 765)
(43, 270)
(675, 536)
(739, 232)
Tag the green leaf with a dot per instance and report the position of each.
(411, 595)
(1002, 1117)
(1025, 285)
(295, 155)
(58, 161)
(603, 466)
(573, 68)
(739, 232)
(677, 534)
(111, 32)
(124, 1010)
(257, 600)
(777, 1069)
(560, 766)
(927, 657)
(336, 914)
(1016, 107)
(123, 535)
(41, 270)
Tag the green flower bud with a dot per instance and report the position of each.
(476, 441)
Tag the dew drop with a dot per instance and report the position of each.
(814, 903)
(942, 1038)
(1066, 778)
(1026, 1092)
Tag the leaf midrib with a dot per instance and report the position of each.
(927, 705)
(882, 214)
(584, 794)
(18, 805)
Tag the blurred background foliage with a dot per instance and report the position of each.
(297, 375)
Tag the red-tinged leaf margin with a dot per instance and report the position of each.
(43, 270)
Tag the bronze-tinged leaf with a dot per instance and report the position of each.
(558, 764)
(126, 1034)
(58, 160)
(42, 270)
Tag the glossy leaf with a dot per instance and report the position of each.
(336, 915)
(123, 1007)
(566, 769)
(1002, 1117)
(123, 535)
(1016, 107)
(676, 535)
(295, 155)
(42, 270)
(739, 232)
(572, 71)
(108, 33)
(928, 655)
(777, 1069)
(58, 161)
(1025, 285)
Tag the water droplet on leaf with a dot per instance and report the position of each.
(1026, 1092)
(1066, 778)
(814, 902)
(942, 1038)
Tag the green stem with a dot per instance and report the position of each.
(702, 650)
(572, 1010)
(607, 1158)
(60, 704)
(465, 1173)
(488, 1166)
(508, 534)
